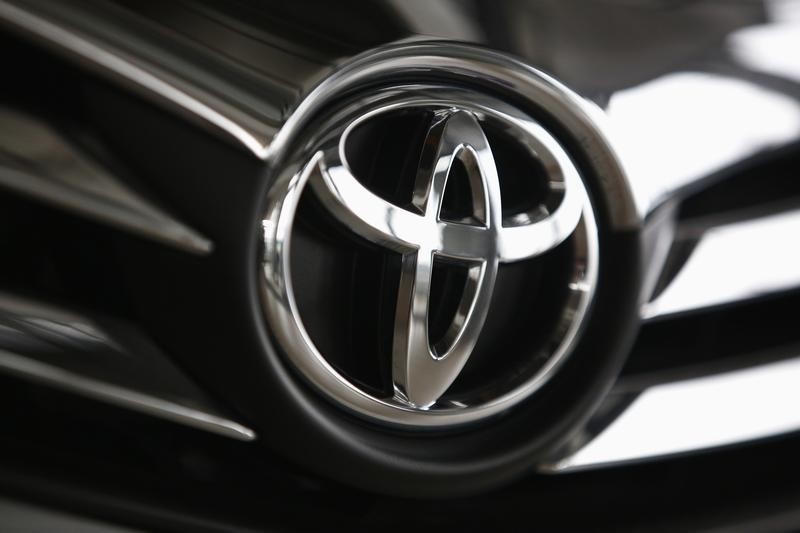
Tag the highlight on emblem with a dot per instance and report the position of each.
(423, 369)
(422, 372)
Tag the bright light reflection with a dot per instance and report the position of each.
(700, 413)
(772, 49)
(733, 263)
(676, 129)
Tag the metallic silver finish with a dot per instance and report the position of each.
(58, 377)
(105, 360)
(421, 372)
(663, 157)
(37, 161)
(585, 124)
(734, 262)
(252, 85)
(675, 120)
(116, 43)
(692, 415)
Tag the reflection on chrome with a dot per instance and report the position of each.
(735, 262)
(769, 48)
(105, 360)
(37, 161)
(56, 376)
(22, 318)
(680, 128)
(697, 414)
(160, 76)
(755, 48)
(421, 374)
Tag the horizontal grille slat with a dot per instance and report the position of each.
(732, 263)
(692, 415)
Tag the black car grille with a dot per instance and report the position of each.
(81, 292)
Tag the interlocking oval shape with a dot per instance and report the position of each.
(421, 372)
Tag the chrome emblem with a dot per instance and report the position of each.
(422, 372)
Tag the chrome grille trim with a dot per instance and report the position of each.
(37, 161)
(734, 262)
(161, 76)
(691, 415)
(57, 377)
(106, 360)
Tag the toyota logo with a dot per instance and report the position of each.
(423, 371)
